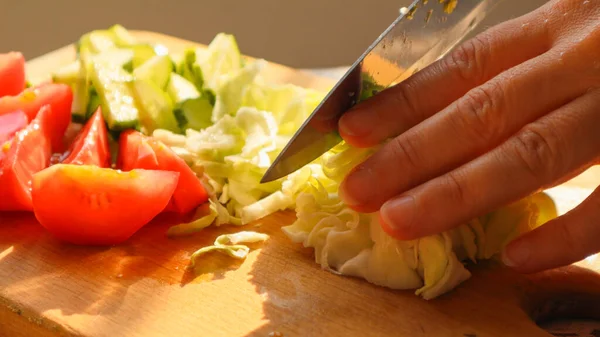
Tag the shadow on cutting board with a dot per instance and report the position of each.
(304, 300)
(32, 263)
(298, 298)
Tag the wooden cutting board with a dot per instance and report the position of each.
(142, 288)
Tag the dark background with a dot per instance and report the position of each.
(305, 34)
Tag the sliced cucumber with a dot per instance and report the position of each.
(112, 84)
(115, 57)
(181, 89)
(97, 41)
(81, 89)
(93, 103)
(74, 75)
(190, 70)
(68, 74)
(194, 113)
(156, 107)
(156, 70)
(141, 54)
(121, 36)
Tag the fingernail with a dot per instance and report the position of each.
(515, 254)
(356, 123)
(399, 213)
(356, 188)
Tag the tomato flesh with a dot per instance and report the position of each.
(137, 151)
(31, 100)
(10, 124)
(134, 152)
(12, 74)
(90, 147)
(29, 152)
(89, 205)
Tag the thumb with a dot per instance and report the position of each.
(561, 241)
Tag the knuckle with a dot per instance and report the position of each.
(457, 190)
(404, 152)
(537, 153)
(468, 60)
(477, 111)
(403, 101)
(570, 239)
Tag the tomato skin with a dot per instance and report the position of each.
(90, 147)
(12, 74)
(29, 153)
(89, 205)
(139, 151)
(31, 100)
(10, 124)
(135, 152)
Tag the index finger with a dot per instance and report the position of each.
(473, 63)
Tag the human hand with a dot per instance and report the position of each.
(506, 114)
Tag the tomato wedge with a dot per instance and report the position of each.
(10, 124)
(89, 205)
(12, 74)
(28, 154)
(137, 151)
(31, 100)
(90, 147)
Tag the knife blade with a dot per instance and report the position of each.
(423, 33)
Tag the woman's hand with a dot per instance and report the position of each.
(510, 112)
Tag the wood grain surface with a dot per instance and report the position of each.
(143, 288)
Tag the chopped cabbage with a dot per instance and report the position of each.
(252, 121)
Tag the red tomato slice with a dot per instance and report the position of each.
(135, 152)
(30, 101)
(89, 205)
(28, 154)
(12, 74)
(10, 124)
(139, 151)
(91, 145)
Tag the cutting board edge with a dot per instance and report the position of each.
(28, 319)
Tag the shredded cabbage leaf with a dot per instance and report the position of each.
(252, 120)
(231, 244)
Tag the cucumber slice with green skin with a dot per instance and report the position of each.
(190, 70)
(194, 113)
(83, 90)
(97, 41)
(93, 103)
(156, 107)
(193, 110)
(156, 70)
(121, 36)
(75, 76)
(112, 83)
(141, 54)
(68, 74)
(115, 57)
(181, 89)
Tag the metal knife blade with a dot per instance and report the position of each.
(417, 38)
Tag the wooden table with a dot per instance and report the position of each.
(142, 288)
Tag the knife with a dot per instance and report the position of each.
(424, 32)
